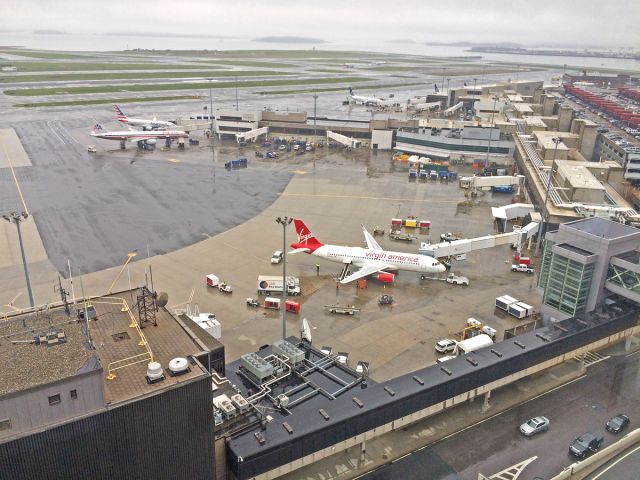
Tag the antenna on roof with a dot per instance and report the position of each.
(63, 295)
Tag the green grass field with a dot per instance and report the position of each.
(107, 100)
(131, 75)
(35, 66)
(51, 55)
(32, 92)
(244, 63)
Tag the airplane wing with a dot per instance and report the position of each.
(137, 139)
(299, 250)
(363, 272)
(371, 242)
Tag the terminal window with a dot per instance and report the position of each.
(54, 399)
(5, 424)
(73, 394)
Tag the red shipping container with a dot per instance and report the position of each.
(425, 224)
(396, 222)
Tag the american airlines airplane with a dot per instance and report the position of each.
(141, 122)
(364, 100)
(136, 135)
(370, 260)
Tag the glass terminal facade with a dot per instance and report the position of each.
(566, 282)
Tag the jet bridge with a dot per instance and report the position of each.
(343, 140)
(451, 110)
(449, 249)
(251, 134)
(485, 183)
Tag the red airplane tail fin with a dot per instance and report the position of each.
(305, 237)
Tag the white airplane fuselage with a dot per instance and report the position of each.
(135, 136)
(141, 122)
(363, 257)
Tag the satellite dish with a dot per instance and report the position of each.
(162, 299)
(305, 331)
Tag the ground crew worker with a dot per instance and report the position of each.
(317, 269)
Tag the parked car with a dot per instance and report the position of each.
(282, 147)
(618, 423)
(535, 425)
(276, 257)
(91, 149)
(446, 345)
(522, 268)
(585, 445)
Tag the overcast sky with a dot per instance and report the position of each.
(612, 23)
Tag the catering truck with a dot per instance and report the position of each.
(474, 343)
(271, 285)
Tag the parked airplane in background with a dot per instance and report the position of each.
(137, 135)
(141, 122)
(370, 260)
(364, 100)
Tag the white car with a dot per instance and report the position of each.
(91, 149)
(276, 257)
(282, 147)
(446, 345)
(522, 268)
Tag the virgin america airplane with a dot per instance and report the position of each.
(370, 260)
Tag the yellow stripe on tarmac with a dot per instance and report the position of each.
(15, 179)
(173, 160)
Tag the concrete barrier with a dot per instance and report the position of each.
(585, 467)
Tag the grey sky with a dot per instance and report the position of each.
(576, 22)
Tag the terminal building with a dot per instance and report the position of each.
(93, 391)
(586, 261)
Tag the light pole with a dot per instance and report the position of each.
(442, 84)
(210, 108)
(315, 114)
(15, 217)
(556, 141)
(447, 104)
(213, 153)
(284, 221)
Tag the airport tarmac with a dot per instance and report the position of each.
(333, 202)
(98, 205)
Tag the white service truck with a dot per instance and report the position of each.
(271, 285)
(472, 344)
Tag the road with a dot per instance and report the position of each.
(608, 388)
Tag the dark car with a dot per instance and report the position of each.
(585, 445)
(618, 423)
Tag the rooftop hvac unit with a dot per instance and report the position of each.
(287, 349)
(178, 366)
(240, 402)
(154, 372)
(282, 401)
(227, 408)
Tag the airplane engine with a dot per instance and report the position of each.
(386, 277)
(151, 141)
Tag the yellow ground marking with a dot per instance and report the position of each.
(173, 160)
(15, 179)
